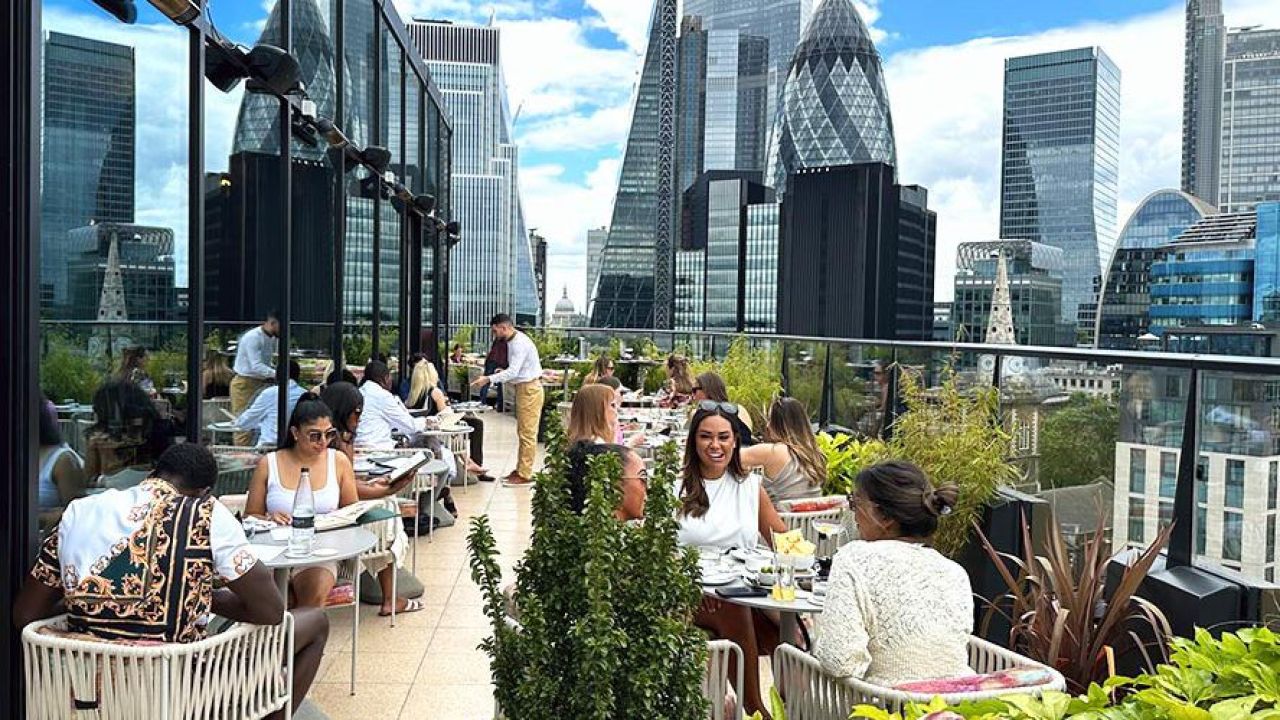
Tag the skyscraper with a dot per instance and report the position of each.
(596, 238)
(1250, 120)
(1202, 98)
(635, 285)
(1034, 277)
(835, 107)
(493, 270)
(1061, 161)
(87, 151)
(723, 100)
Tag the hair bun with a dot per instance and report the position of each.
(940, 501)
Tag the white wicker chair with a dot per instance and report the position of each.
(386, 532)
(803, 521)
(810, 694)
(715, 684)
(241, 674)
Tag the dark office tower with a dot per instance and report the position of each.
(1250, 120)
(834, 108)
(1202, 99)
(856, 255)
(258, 126)
(635, 285)
(1061, 161)
(691, 102)
(243, 248)
(87, 151)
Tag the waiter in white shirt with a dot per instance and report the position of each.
(524, 375)
(253, 368)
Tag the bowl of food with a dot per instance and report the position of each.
(766, 576)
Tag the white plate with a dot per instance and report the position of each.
(746, 556)
(720, 578)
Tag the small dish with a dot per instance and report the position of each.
(324, 552)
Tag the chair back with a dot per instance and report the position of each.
(245, 672)
(804, 522)
(715, 684)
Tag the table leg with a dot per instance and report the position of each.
(355, 626)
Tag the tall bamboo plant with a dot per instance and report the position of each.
(605, 608)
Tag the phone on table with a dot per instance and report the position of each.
(742, 592)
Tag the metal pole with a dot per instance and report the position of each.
(1182, 541)
(375, 137)
(286, 237)
(338, 158)
(195, 234)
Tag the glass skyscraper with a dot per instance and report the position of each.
(87, 153)
(1061, 161)
(1206, 276)
(1202, 98)
(1250, 120)
(636, 273)
(1035, 288)
(492, 270)
(1123, 312)
(835, 107)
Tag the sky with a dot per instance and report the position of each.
(571, 68)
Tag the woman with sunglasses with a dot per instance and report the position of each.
(275, 481)
(710, 386)
(897, 611)
(723, 506)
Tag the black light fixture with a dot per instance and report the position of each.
(331, 133)
(303, 131)
(453, 231)
(426, 204)
(274, 70)
(376, 157)
(123, 10)
(370, 187)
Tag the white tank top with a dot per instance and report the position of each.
(280, 498)
(733, 518)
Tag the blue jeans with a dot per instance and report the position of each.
(484, 393)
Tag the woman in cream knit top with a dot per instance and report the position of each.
(897, 611)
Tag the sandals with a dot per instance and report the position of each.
(410, 605)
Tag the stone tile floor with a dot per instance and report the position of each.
(428, 666)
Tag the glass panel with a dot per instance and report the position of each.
(1137, 471)
(1232, 535)
(1168, 474)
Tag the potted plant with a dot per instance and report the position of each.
(605, 608)
(846, 457)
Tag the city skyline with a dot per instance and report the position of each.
(572, 126)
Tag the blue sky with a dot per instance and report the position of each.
(572, 64)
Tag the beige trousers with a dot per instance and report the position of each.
(243, 390)
(529, 398)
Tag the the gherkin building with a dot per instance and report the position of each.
(835, 108)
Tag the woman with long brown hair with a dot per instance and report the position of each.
(723, 506)
(793, 465)
(678, 391)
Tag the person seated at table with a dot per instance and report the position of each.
(634, 481)
(897, 610)
(275, 482)
(724, 506)
(383, 411)
(61, 476)
(133, 368)
(262, 415)
(710, 386)
(456, 356)
(89, 569)
(215, 375)
(677, 392)
(425, 394)
(793, 465)
(126, 437)
(593, 417)
(602, 368)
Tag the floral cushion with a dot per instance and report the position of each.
(1002, 680)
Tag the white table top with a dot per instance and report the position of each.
(801, 604)
(347, 543)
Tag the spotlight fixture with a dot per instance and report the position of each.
(273, 70)
(331, 133)
(182, 12)
(370, 188)
(426, 203)
(453, 231)
(377, 158)
(123, 10)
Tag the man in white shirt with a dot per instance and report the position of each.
(253, 369)
(263, 416)
(383, 411)
(524, 375)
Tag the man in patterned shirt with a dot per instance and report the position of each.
(140, 565)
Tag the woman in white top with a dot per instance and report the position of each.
(275, 482)
(897, 611)
(794, 467)
(62, 477)
(723, 506)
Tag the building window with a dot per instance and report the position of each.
(1271, 538)
(1273, 485)
(1270, 575)
(1202, 529)
(1168, 474)
(1166, 513)
(1232, 532)
(1138, 471)
(1137, 526)
(1235, 484)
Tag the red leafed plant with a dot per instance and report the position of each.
(1059, 612)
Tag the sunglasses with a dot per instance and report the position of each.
(712, 406)
(316, 436)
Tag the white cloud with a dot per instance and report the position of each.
(947, 108)
(604, 127)
(551, 68)
(628, 20)
(562, 210)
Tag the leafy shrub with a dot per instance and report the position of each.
(605, 608)
(846, 457)
(66, 372)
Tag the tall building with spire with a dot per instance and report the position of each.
(635, 287)
(1202, 98)
(1000, 322)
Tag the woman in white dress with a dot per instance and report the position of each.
(897, 610)
(723, 506)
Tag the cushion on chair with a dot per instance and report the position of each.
(1002, 680)
(816, 505)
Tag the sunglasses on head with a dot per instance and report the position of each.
(316, 436)
(712, 406)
